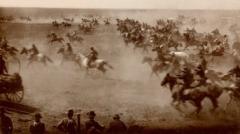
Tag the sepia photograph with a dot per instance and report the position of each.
(119, 67)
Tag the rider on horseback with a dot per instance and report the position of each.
(3, 68)
(160, 53)
(69, 48)
(187, 78)
(33, 51)
(4, 43)
(200, 71)
(93, 55)
(235, 71)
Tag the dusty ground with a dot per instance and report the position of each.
(128, 89)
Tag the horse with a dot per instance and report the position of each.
(98, 64)
(57, 39)
(38, 57)
(74, 37)
(194, 96)
(67, 56)
(180, 56)
(156, 68)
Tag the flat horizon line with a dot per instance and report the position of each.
(74, 8)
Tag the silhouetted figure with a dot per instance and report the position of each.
(37, 127)
(68, 125)
(3, 68)
(93, 55)
(93, 127)
(5, 123)
(117, 126)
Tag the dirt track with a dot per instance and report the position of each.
(128, 89)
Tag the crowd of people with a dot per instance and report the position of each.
(68, 125)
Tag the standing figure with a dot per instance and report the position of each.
(68, 125)
(3, 68)
(117, 126)
(92, 126)
(37, 127)
(5, 123)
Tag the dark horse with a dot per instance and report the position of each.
(195, 96)
(60, 40)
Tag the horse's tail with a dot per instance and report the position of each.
(109, 65)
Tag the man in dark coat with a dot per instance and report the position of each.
(68, 125)
(187, 78)
(5, 123)
(37, 127)
(3, 68)
(200, 71)
(117, 126)
(92, 126)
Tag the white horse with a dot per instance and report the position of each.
(181, 57)
(38, 57)
(98, 64)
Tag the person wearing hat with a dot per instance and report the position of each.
(117, 126)
(69, 48)
(3, 68)
(187, 78)
(6, 124)
(93, 55)
(92, 126)
(68, 125)
(200, 71)
(37, 127)
(235, 71)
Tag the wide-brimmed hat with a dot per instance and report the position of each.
(38, 115)
(91, 113)
(116, 116)
(70, 111)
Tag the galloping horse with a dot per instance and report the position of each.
(155, 67)
(57, 39)
(38, 57)
(196, 95)
(67, 56)
(98, 64)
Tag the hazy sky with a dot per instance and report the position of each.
(138, 4)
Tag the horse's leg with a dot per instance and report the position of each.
(214, 102)
(30, 62)
(199, 106)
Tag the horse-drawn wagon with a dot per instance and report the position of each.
(11, 87)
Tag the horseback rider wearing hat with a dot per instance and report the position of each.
(235, 71)
(200, 71)
(187, 78)
(93, 55)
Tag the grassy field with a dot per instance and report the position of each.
(128, 89)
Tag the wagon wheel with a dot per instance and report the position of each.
(15, 96)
